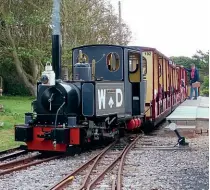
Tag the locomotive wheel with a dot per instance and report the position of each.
(47, 153)
(148, 127)
(72, 150)
(121, 132)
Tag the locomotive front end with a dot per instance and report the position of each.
(51, 126)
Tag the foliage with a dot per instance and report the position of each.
(11, 83)
(201, 60)
(14, 109)
(25, 28)
(205, 86)
(182, 60)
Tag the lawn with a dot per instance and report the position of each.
(14, 109)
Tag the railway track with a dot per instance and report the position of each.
(13, 154)
(98, 166)
(89, 174)
(9, 150)
(20, 164)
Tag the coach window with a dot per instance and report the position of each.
(113, 62)
(134, 60)
(144, 65)
(160, 70)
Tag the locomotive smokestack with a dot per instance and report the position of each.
(56, 39)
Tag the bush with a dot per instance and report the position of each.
(11, 83)
(205, 86)
(205, 92)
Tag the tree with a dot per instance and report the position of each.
(25, 37)
(201, 60)
(182, 60)
(205, 86)
(26, 32)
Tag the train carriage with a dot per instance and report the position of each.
(166, 84)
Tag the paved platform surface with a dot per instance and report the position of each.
(191, 117)
(200, 102)
(191, 110)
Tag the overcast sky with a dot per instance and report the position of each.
(174, 27)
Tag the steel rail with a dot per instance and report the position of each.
(121, 157)
(120, 170)
(23, 163)
(9, 150)
(64, 182)
(84, 185)
(13, 154)
(110, 166)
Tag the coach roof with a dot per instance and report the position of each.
(142, 48)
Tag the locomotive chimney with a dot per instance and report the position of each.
(56, 39)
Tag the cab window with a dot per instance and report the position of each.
(113, 61)
(133, 61)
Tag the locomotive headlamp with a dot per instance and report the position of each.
(44, 79)
(181, 140)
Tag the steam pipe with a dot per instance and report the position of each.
(56, 39)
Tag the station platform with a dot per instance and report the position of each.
(191, 117)
(191, 110)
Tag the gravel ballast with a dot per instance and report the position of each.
(168, 170)
(143, 170)
(45, 175)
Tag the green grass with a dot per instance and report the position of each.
(14, 109)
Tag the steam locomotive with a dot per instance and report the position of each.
(113, 89)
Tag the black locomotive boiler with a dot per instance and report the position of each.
(105, 96)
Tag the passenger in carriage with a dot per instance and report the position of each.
(182, 83)
(160, 93)
(164, 93)
(171, 89)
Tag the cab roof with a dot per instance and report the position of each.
(138, 48)
(120, 46)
